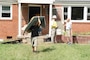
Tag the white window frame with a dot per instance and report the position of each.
(88, 13)
(5, 18)
(68, 13)
(65, 13)
(84, 16)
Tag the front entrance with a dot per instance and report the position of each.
(34, 10)
(37, 9)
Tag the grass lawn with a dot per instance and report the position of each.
(47, 52)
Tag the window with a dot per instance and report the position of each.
(5, 11)
(88, 14)
(54, 11)
(65, 12)
(77, 13)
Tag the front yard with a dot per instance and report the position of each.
(47, 52)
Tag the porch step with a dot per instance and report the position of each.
(41, 40)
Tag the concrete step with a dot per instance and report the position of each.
(41, 40)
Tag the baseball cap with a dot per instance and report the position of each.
(54, 16)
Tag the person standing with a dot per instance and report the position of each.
(34, 35)
(68, 28)
(53, 28)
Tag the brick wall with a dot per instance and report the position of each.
(83, 39)
(10, 27)
(81, 27)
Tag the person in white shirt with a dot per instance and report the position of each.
(53, 29)
(68, 26)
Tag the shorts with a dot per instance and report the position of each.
(68, 33)
(34, 41)
(53, 32)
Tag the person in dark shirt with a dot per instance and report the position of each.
(34, 31)
(34, 35)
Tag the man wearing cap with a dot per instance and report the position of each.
(53, 28)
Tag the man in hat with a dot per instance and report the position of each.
(53, 28)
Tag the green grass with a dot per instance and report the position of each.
(47, 52)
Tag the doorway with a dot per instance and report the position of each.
(33, 10)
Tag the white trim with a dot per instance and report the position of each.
(72, 4)
(80, 21)
(37, 1)
(69, 12)
(50, 18)
(6, 18)
(84, 12)
(19, 20)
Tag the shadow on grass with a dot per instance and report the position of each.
(48, 49)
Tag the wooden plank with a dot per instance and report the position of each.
(12, 41)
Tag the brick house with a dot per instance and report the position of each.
(78, 11)
(8, 18)
(16, 13)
